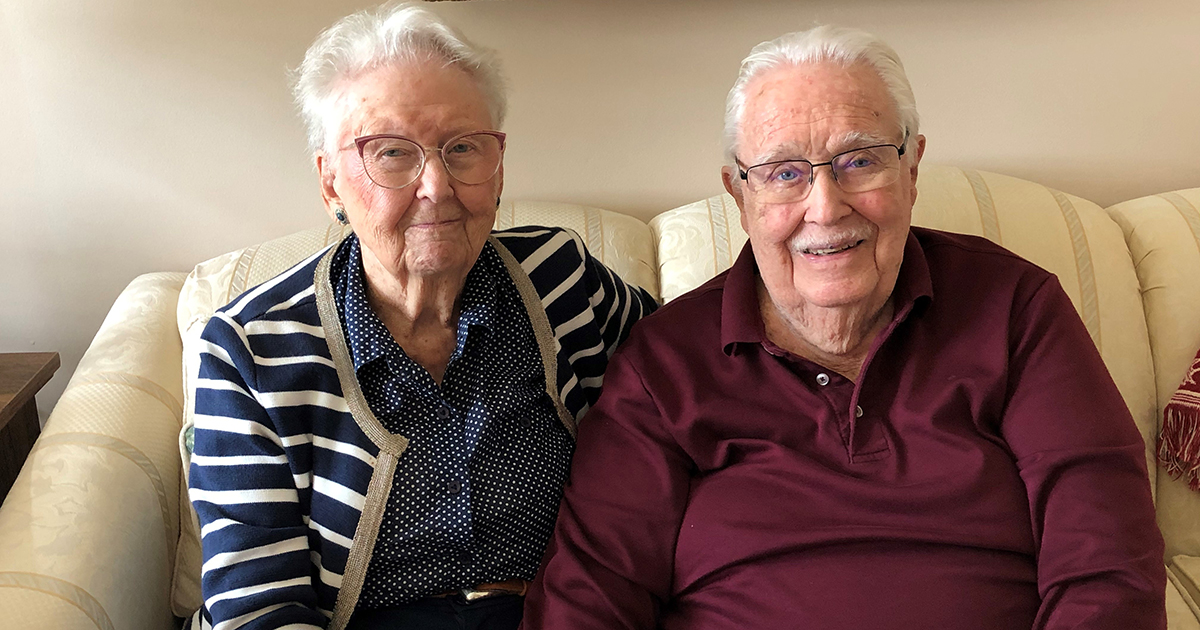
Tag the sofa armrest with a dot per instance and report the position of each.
(88, 531)
(1183, 573)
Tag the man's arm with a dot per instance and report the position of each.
(610, 562)
(257, 567)
(1100, 553)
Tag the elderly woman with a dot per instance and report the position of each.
(383, 431)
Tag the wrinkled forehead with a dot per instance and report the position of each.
(819, 108)
(406, 98)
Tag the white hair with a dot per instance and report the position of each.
(372, 38)
(844, 46)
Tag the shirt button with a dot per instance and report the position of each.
(857, 411)
(443, 413)
(822, 379)
(454, 487)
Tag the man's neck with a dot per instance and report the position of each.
(837, 338)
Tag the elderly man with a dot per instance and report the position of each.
(861, 424)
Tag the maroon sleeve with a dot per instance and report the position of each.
(609, 564)
(1100, 553)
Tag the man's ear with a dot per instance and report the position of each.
(329, 195)
(920, 152)
(729, 177)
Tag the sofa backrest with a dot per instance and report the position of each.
(681, 248)
(1163, 233)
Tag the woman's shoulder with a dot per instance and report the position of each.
(288, 295)
(536, 244)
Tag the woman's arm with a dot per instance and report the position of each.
(257, 567)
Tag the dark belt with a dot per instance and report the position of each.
(515, 586)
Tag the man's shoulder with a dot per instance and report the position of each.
(969, 254)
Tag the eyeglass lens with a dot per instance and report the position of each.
(858, 170)
(396, 162)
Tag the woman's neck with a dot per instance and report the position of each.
(420, 311)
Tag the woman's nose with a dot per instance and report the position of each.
(435, 182)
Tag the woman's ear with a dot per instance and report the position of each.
(333, 202)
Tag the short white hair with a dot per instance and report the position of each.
(373, 38)
(841, 45)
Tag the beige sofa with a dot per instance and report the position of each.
(97, 533)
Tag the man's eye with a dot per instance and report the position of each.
(860, 162)
(786, 174)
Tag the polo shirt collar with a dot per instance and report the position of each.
(741, 319)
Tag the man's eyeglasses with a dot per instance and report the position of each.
(855, 171)
(395, 161)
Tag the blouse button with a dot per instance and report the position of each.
(443, 413)
(857, 411)
(822, 379)
(454, 487)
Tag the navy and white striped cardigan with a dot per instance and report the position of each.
(291, 470)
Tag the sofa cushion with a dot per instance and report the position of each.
(619, 241)
(1163, 232)
(1071, 237)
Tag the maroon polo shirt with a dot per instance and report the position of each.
(983, 473)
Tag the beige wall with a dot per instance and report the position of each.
(144, 135)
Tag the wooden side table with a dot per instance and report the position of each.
(22, 374)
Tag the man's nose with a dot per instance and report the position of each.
(826, 201)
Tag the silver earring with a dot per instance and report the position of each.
(340, 215)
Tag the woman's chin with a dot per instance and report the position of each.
(437, 259)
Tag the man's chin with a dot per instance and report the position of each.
(834, 295)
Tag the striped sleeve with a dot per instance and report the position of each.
(257, 571)
(590, 308)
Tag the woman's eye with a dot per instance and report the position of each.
(393, 152)
(461, 147)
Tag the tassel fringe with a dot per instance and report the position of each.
(1179, 445)
(1179, 440)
